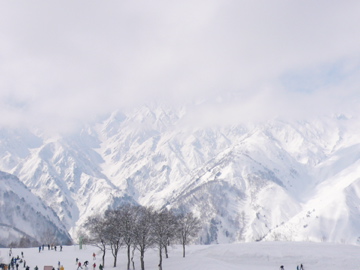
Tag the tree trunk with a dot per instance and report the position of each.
(142, 253)
(114, 250)
(183, 250)
(166, 252)
(132, 258)
(160, 258)
(128, 255)
(103, 258)
(115, 259)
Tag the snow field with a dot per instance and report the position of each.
(249, 256)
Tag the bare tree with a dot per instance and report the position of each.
(113, 231)
(97, 234)
(188, 229)
(143, 236)
(172, 228)
(163, 230)
(126, 222)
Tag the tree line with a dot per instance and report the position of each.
(139, 228)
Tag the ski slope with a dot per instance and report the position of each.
(249, 256)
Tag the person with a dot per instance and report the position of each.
(86, 263)
(39, 249)
(22, 254)
(94, 266)
(94, 256)
(24, 263)
(79, 266)
(60, 247)
(27, 268)
(61, 267)
(282, 267)
(301, 267)
(101, 267)
(36, 268)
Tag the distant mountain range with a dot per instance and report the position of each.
(279, 180)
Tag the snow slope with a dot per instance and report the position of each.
(25, 218)
(251, 256)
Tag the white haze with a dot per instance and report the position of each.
(63, 63)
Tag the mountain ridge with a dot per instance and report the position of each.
(25, 219)
(266, 172)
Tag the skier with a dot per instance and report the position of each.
(79, 266)
(94, 256)
(86, 263)
(101, 267)
(301, 267)
(94, 266)
(282, 267)
(36, 268)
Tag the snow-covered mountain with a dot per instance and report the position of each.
(290, 180)
(24, 219)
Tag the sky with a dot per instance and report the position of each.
(66, 62)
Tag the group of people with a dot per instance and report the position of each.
(52, 247)
(15, 262)
(86, 263)
(298, 267)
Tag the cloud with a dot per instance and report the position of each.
(65, 62)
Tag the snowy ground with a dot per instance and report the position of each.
(249, 256)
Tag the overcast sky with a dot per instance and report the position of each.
(65, 62)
